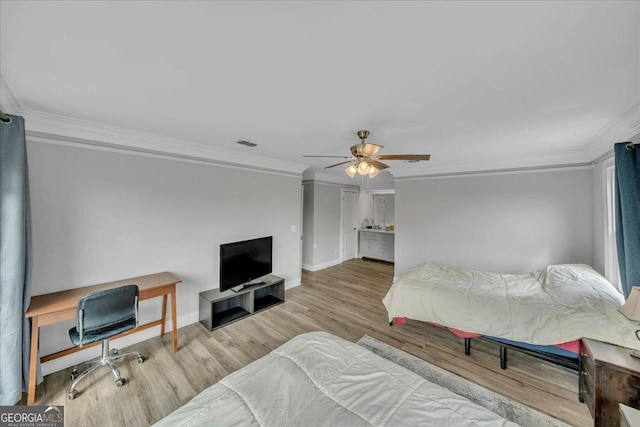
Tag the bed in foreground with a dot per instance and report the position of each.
(319, 379)
(553, 306)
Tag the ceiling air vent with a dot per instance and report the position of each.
(247, 143)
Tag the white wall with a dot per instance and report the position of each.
(101, 215)
(599, 217)
(508, 223)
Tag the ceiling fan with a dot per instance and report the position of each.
(364, 160)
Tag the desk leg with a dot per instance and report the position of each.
(174, 318)
(164, 314)
(33, 360)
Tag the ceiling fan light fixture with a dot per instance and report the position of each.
(363, 168)
(365, 159)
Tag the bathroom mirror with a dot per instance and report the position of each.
(377, 209)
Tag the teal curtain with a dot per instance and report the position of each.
(15, 262)
(627, 164)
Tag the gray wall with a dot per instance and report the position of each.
(326, 225)
(321, 224)
(307, 225)
(510, 223)
(100, 216)
(384, 181)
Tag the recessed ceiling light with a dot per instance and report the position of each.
(247, 143)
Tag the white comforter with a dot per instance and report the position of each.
(317, 379)
(554, 305)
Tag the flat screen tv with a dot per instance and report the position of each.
(241, 263)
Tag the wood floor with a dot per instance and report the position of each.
(344, 300)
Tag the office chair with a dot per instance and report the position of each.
(102, 315)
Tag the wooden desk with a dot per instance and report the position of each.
(58, 306)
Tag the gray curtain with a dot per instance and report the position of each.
(627, 157)
(15, 262)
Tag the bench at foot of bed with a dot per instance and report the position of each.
(548, 353)
(566, 355)
(563, 356)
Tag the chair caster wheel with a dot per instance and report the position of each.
(120, 382)
(114, 352)
(141, 359)
(72, 394)
(74, 374)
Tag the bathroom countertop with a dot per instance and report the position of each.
(377, 231)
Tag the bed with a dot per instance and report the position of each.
(320, 379)
(546, 311)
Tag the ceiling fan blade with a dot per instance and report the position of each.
(378, 165)
(415, 157)
(338, 164)
(365, 149)
(335, 157)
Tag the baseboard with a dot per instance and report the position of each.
(321, 266)
(292, 283)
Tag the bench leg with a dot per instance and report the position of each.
(503, 357)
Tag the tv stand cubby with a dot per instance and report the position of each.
(218, 309)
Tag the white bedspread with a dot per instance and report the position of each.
(554, 305)
(317, 379)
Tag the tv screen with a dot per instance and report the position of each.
(242, 262)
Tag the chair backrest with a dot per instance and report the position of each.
(103, 309)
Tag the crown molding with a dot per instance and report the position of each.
(557, 168)
(8, 101)
(74, 131)
(622, 129)
(332, 184)
(326, 178)
(501, 163)
(61, 128)
(37, 137)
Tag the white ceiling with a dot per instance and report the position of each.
(478, 85)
